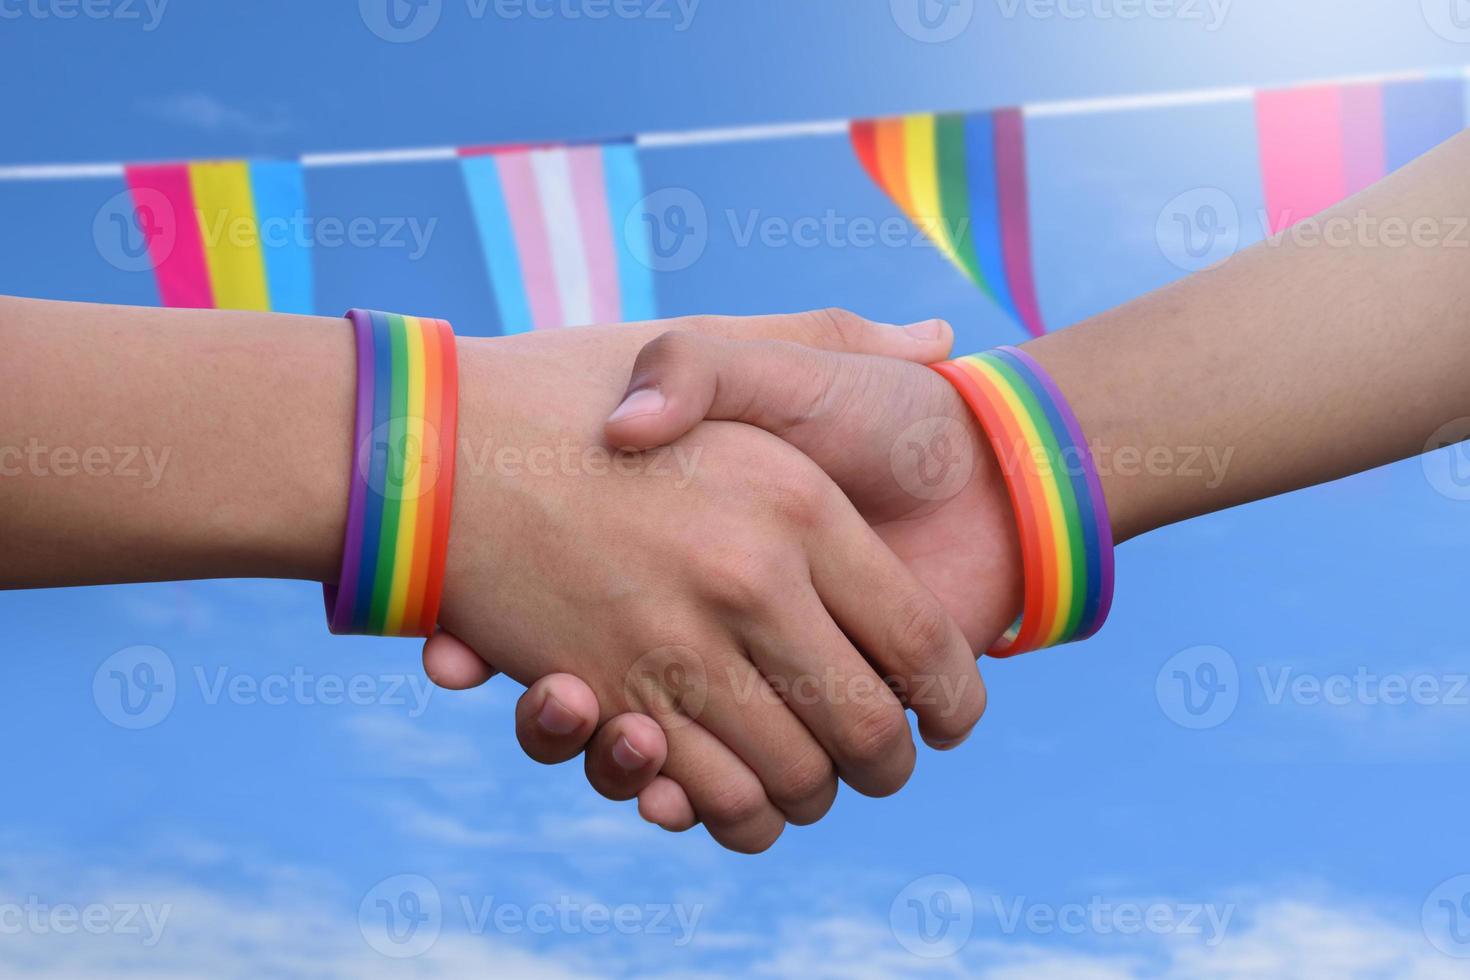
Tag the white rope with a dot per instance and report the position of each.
(747, 134)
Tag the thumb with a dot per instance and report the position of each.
(681, 379)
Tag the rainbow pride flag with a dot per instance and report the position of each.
(962, 180)
(555, 227)
(1321, 144)
(226, 234)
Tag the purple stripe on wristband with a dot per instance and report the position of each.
(1094, 487)
(340, 597)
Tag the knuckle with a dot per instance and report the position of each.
(798, 495)
(669, 347)
(921, 631)
(836, 328)
(736, 803)
(750, 582)
(804, 780)
(875, 734)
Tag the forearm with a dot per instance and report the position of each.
(141, 444)
(1292, 364)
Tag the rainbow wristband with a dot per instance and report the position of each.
(402, 484)
(1066, 538)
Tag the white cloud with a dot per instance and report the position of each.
(401, 746)
(298, 931)
(199, 110)
(287, 921)
(1289, 939)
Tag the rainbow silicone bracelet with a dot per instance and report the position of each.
(1066, 537)
(402, 485)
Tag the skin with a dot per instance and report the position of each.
(1324, 352)
(691, 592)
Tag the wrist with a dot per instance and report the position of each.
(1111, 427)
(400, 477)
(1056, 498)
(292, 525)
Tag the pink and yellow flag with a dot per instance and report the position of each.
(226, 234)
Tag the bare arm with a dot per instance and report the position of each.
(1303, 360)
(140, 444)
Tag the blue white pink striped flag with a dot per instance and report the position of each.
(552, 223)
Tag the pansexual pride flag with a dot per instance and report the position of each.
(560, 240)
(1321, 144)
(226, 234)
(962, 180)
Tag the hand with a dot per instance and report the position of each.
(741, 567)
(895, 436)
(885, 431)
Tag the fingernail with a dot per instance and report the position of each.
(945, 745)
(556, 717)
(927, 330)
(628, 757)
(644, 401)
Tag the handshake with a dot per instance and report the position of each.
(727, 575)
(804, 533)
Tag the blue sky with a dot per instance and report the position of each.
(253, 824)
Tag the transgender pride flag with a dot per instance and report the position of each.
(554, 227)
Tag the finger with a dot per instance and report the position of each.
(681, 379)
(721, 692)
(898, 624)
(625, 756)
(451, 664)
(665, 803)
(555, 718)
(858, 720)
(743, 712)
(726, 796)
(838, 330)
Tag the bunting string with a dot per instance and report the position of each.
(563, 245)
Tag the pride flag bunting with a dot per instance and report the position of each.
(225, 234)
(555, 227)
(1321, 144)
(962, 180)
